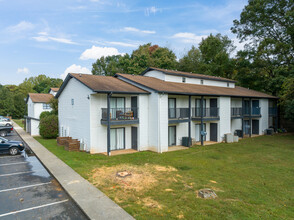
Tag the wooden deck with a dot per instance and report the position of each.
(178, 147)
(206, 143)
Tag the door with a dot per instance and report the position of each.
(246, 107)
(246, 126)
(213, 132)
(134, 106)
(172, 137)
(171, 108)
(255, 126)
(198, 132)
(117, 107)
(255, 107)
(197, 107)
(135, 138)
(117, 138)
(213, 107)
(28, 125)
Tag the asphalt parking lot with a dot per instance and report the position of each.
(28, 191)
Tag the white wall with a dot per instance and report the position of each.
(30, 106)
(264, 120)
(236, 102)
(38, 109)
(74, 120)
(236, 124)
(155, 74)
(225, 117)
(143, 127)
(52, 92)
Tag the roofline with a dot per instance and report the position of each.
(195, 94)
(28, 96)
(189, 76)
(122, 92)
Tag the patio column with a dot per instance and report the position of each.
(189, 123)
(108, 123)
(250, 117)
(277, 117)
(201, 116)
(243, 111)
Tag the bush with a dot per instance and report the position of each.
(49, 126)
(45, 114)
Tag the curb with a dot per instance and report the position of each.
(94, 203)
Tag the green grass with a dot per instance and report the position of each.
(19, 122)
(255, 179)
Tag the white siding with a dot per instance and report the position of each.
(264, 120)
(155, 74)
(38, 109)
(74, 120)
(143, 127)
(225, 117)
(236, 124)
(30, 105)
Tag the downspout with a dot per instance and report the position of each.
(243, 112)
(108, 124)
(159, 141)
(201, 115)
(250, 117)
(189, 124)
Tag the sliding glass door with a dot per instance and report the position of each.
(117, 138)
(172, 136)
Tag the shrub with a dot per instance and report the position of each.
(45, 114)
(49, 126)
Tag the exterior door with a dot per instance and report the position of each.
(246, 107)
(135, 138)
(198, 105)
(172, 137)
(171, 108)
(255, 108)
(117, 138)
(134, 106)
(198, 132)
(255, 126)
(213, 107)
(213, 132)
(246, 126)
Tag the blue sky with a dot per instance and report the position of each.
(56, 37)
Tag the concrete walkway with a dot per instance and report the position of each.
(92, 201)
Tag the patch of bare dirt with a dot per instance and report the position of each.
(150, 203)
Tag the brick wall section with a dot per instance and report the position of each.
(69, 143)
(62, 140)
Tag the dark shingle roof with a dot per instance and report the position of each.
(192, 89)
(185, 74)
(40, 97)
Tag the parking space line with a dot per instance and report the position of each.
(36, 207)
(23, 187)
(11, 174)
(11, 156)
(7, 164)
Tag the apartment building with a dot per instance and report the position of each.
(156, 109)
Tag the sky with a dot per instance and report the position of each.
(60, 36)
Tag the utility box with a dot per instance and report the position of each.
(229, 138)
(186, 142)
(238, 133)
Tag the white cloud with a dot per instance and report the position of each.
(152, 10)
(187, 37)
(21, 26)
(23, 70)
(132, 29)
(123, 44)
(43, 37)
(97, 52)
(75, 69)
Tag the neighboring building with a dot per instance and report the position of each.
(53, 91)
(36, 104)
(157, 109)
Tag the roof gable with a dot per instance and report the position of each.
(40, 97)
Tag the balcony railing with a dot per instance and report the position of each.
(212, 112)
(120, 114)
(272, 111)
(255, 111)
(236, 112)
(175, 113)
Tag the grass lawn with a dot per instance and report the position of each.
(19, 122)
(254, 179)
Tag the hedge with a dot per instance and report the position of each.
(49, 126)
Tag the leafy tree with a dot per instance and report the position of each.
(54, 105)
(288, 98)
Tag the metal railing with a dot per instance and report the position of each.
(272, 111)
(174, 113)
(212, 112)
(254, 111)
(120, 114)
(236, 112)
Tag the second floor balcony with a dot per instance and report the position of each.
(211, 113)
(237, 112)
(255, 112)
(120, 116)
(178, 113)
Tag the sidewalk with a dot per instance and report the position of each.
(92, 201)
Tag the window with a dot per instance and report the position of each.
(72, 101)
(117, 138)
(172, 108)
(183, 79)
(228, 84)
(46, 106)
(172, 135)
(201, 81)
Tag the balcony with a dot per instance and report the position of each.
(119, 116)
(255, 112)
(178, 115)
(208, 113)
(236, 112)
(272, 111)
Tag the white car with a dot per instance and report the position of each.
(5, 122)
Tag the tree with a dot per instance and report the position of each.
(145, 56)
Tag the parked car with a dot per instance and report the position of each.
(4, 130)
(13, 147)
(5, 121)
